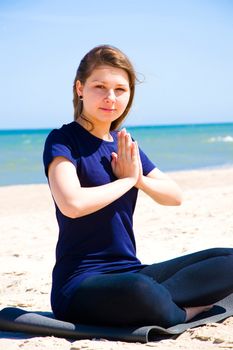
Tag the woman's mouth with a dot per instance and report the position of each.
(107, 109)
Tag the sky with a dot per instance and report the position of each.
(182, 51)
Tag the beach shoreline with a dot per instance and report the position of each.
(29, 234)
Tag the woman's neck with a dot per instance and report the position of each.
(100, 131)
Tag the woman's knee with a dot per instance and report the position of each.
(222, 259)
(152, 303)
(143, 288)
(214, 252)
(203, 255)
(226, 264)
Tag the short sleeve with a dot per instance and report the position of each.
(147, 164)
(57, 145)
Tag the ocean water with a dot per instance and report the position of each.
(170, 147)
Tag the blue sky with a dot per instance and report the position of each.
(182, 50)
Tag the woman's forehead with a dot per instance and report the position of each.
(107, 73)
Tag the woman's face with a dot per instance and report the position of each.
(105, 94)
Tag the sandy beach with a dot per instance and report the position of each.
(29, 235)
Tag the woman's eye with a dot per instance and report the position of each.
(120, 89)
(100, 86)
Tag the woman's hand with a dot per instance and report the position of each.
(125, 163)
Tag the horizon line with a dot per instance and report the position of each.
(130, 125)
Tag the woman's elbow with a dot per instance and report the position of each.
(178, 199)
(175, 198)
(71, 210)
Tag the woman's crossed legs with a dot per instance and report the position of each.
(164, 294)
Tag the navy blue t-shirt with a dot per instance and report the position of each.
(101, 242)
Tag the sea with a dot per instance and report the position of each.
(170, 147)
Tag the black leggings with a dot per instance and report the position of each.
(157, 293)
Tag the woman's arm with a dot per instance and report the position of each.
(160, 188)
(75, 201)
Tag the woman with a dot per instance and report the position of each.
(94, 173)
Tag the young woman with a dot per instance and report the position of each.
(94, 173)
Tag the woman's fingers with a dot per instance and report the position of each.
(124, 145)
(125, 162)
(134, 151)
(114, 161)
(128, 146)
(121, 143)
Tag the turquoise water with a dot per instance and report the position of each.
(172, 148)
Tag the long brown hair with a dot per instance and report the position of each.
(99, 56)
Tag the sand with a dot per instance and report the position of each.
(29, 234)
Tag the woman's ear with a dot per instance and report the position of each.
(79, 88)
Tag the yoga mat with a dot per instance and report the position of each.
(43, 323)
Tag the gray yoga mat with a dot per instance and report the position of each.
(43, 323)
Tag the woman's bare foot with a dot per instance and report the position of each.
(194, 311)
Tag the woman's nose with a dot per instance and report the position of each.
(110, 95)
